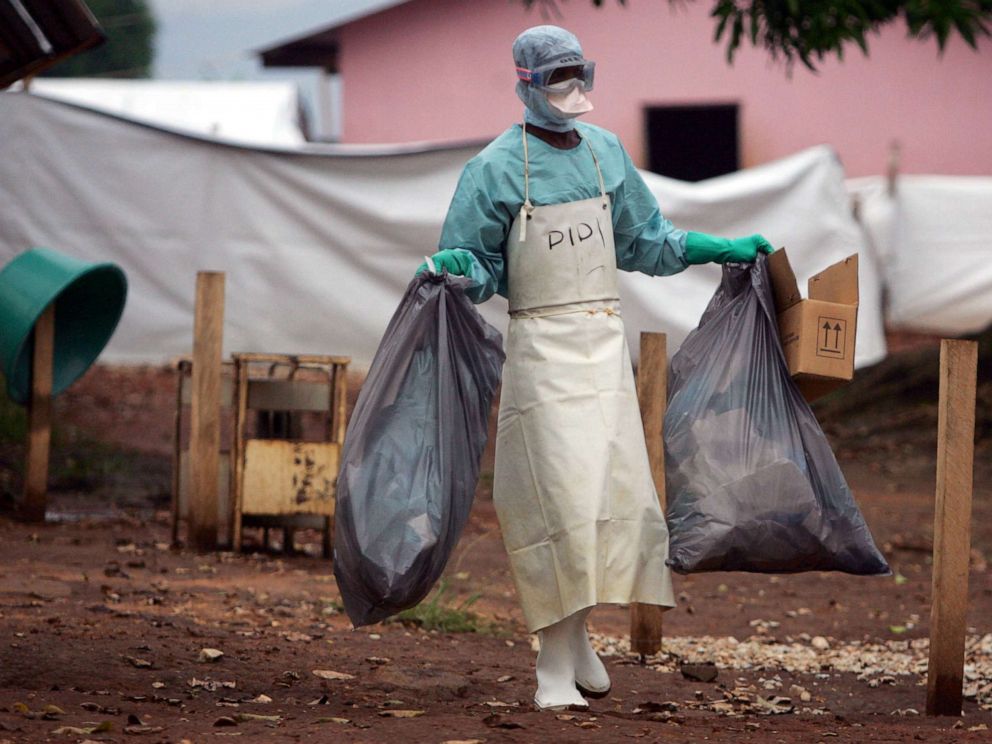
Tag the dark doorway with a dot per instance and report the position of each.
(692, 142)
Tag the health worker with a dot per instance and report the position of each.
(545, 215)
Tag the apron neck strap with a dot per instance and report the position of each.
(599, 173)
(526, 168)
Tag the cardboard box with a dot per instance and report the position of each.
(817, 333)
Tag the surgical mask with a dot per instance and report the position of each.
(571, 104)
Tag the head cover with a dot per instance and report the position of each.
(537, 52)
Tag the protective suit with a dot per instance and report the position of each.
(548, 228)
(572, 484)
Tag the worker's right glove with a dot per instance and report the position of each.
(701, 248)
(457, 261)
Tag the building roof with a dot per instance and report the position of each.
(35, 37)
(315, 50)
(320, 48)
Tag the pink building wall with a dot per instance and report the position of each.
(442, 70)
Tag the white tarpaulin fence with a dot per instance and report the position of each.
(933, 236)
(251, 112)
(318, 244)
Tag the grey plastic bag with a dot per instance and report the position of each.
(411, 455)
(751, 481)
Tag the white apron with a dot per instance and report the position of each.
(572, 485)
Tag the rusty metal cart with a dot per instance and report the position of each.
(279, 478)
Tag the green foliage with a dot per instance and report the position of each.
(439, 613)
(13, 419)
(86, 465)
(129, 49)
(76, 462)
(811, 30)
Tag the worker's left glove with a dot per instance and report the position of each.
(457, 261)
(701, 248)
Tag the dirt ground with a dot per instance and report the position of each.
(103, 624)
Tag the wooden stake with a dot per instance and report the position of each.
(339, 425)
(204, 449)
(952, 526)
(241, 378)
(40, 418)
(177, 450)
(652, 394)
(340, 413)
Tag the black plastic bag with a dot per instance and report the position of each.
(411, 455)
(751, 481)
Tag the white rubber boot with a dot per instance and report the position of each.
(556, 669)
(591, 677)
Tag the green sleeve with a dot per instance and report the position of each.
(645, 240)
(476, 224)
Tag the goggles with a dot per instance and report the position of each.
(580, 72)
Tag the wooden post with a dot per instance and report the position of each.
(340, 413)
(652, 394)
(204, 448)
(39, 418)
(241, 378)
(952, 526)
(177, 451)
(337, 425)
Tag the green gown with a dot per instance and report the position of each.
(490, 193)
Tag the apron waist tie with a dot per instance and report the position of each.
(607, 306)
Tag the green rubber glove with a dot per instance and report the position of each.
(457, 261)
(701, 248)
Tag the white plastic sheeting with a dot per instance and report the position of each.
(934, 238)
(318, 243)
(257, 113)
(799, 203)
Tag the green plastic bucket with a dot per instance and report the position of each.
(89, 299)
